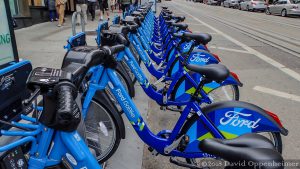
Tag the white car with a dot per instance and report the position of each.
(212, 2)
(231, 3)
(284, 7)
(253, 5)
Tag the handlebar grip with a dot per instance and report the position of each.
(117, 48)
(113, 49)
(122, 40)
(68, 113)
(133, 27)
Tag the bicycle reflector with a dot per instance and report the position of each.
(275, 117)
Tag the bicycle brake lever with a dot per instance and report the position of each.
(35, 94)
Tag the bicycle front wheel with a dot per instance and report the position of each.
(102, 131)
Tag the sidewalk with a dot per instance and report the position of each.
(42, 44)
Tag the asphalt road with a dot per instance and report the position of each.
(262, 49)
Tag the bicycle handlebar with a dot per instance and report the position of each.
(114, 49)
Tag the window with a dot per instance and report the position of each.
(6, 47)
(19, 8)
(282, 2)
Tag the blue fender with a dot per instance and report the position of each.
(202, 57)
(232, 119)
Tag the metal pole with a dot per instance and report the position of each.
(74, 19)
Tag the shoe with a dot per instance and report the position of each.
(58, 25)
(93, 19)
(77, 24)
(56, 19)
(51, 20)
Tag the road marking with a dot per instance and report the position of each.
(211, 33)
(277, 93)
(271, 61)
(197, 24)
(228, 49)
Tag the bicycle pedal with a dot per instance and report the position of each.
(154, 87)
(153, 151)
(184, 164)
(163, 108)
(171, 108)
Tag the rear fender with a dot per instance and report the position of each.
(202, 57)
(232, 119)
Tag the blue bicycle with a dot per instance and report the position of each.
(162, 97)
(222, 120)
(51, 139)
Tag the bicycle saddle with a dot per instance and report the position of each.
(200, 38)
(142, 11)
(80, 56)
(138, 14)
(130, 20)
(117, 29)
(181, 26)
(179, 18)
(248, 149)
(167, 11)
(216, 72)
(143, 7)
(169, 22)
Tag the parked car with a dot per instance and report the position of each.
(284, 8)
(212, 2)
(253, 5)
(230, 3)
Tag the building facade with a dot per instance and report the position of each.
(30, 12)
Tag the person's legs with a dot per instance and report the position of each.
(61, 11)
(84, 10)
(90, 7)
(93, 10)
(51, 15)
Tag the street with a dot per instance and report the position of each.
(264, 51)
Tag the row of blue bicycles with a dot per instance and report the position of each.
(77, 123)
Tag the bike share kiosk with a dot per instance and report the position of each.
(13, 76)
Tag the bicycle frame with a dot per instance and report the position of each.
(103, 77)
(49, 147)
(157, 95)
